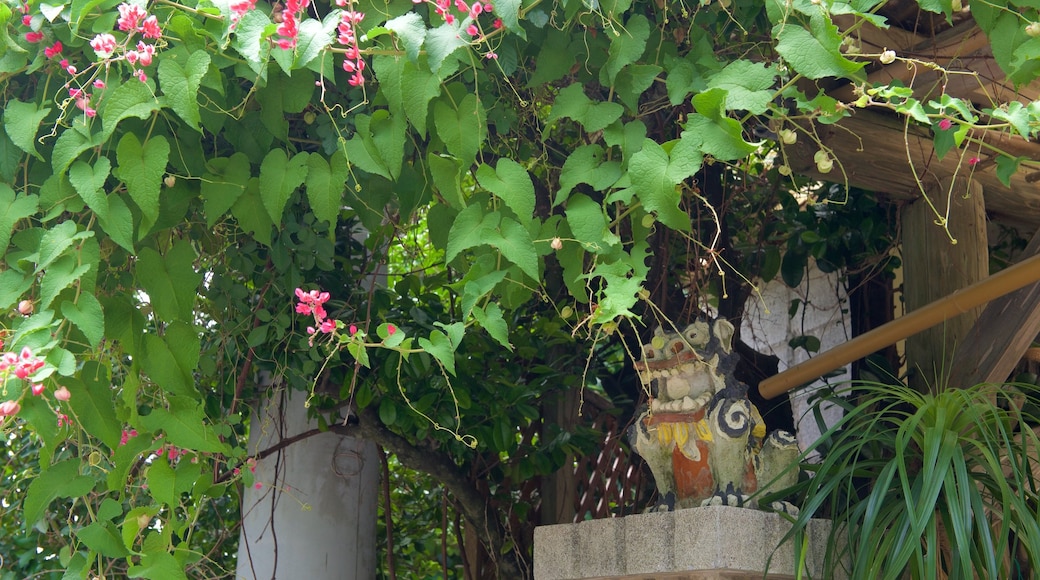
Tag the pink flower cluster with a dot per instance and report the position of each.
(132, 20)
(312, 303)
(126, 435)
(239, 9)
(288, 20)
(23, 364)
(352, 61)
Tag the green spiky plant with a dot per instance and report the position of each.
(925, 485)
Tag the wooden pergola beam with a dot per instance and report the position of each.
(879, 153)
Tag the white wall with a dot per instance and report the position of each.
(314, 516)
(767, 327)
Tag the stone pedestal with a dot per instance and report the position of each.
(709, 543)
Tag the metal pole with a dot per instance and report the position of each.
(1004, 282)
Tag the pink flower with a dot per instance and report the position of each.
(99, 84)
(125, 436)
(150, 28)
(104, 45)
(352, 329)
(497, 23)
(304, 309)
(390, 329)
(327, 326)
(461, 6)
(130, 16)
(945, 124)
(258, 485)
(973, 161)
(449, 18)
(37, 389)
(491, 55)
(236, 471)
(34, 37)
(141, 76)
(145, 52)
(472, 30)
(63, 420)
(9, 408)
(475, 10)
(53, 50)
(27, 20)
(62, 394)
(488, 7)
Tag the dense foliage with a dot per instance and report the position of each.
(171, 172)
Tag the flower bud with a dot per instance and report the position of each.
(556, 243)
(25, 307)
(62, 394)
(1033, 29)
(888, 57)
(788, 136)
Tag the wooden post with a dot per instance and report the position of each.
(934, 267)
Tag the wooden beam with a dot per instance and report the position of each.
(934, 267)
(877, 152)
(1000, 337)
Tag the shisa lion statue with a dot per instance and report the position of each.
(704, 440)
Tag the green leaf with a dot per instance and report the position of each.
(516, 245)
(511, 183)
(224, 184)
(748, 85)
(722, 138)
(103, 538)
(61, 274)
(157, 565)
(447, 177)
(162, 482)
(13, 208)
(1017, 115)
(251, 215)
(509, 12)
(490, 317)
(22, 122)
(92, 400)
(69, 145)
(588, 224)
(89, 182)
(572, 103)
(410, 29)
(462, 129)
(251, 40)
(442, 42)
(817, 53)
(119, 223)
(141, 168)
(585, 165)
(387, 412)
(126, 100)
(325, 184)
(87, 315)
(388, 136)
(185, 426)
(13, 284)
(627, 46)
(1006, 167)
(170, 280)
(656, 173)
(279, 178)
(59, 480)
(792, 268)
(180, 85)
(311, 40)
(171, 361)
(441, 348)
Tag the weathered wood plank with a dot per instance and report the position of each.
(935, 267)
(1003, 332)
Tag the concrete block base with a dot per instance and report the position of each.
(707, 543)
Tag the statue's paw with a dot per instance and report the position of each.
(726, 498)
(785, 507)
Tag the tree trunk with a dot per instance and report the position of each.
(314, 513)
